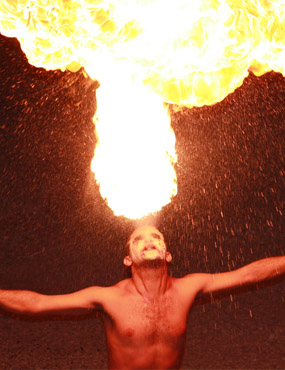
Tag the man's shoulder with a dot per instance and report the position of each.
(118, 291)
(186, 288)
(120, 286)
(123, 284)
(184, 278)
(194, 279)
(107, 293)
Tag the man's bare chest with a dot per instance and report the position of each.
(148, 322)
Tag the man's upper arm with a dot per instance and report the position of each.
(79, 302)
(221, 281)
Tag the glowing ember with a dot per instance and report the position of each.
(188, 52)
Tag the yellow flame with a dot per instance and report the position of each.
(188, 53)
(135, 153)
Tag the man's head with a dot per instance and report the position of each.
(146, 244)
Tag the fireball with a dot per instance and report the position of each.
(146, 53)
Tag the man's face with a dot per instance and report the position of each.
(147, 244)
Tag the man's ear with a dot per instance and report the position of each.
(168, 257)
(128, 261)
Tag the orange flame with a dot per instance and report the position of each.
(134, 157)
(189, 53)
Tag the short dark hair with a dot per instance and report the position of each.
(127, 246)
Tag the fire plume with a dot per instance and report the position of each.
(188, 53)
(134, 156)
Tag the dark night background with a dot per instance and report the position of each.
(57, 234)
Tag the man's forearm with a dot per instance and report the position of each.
(265, 269)
(19, 301)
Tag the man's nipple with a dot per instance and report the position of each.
(130, 332)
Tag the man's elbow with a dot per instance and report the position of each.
(244, 276)
(255, 273)
(35, 306)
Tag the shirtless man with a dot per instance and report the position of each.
(145, 316)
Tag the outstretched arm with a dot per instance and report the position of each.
(252, 273)
(32, 303)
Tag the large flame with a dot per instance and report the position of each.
(189, 53)
(135, 154)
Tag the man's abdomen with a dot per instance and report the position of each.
(155, 356)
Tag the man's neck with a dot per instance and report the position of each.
(150, 280)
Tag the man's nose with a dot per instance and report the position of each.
(149, 239)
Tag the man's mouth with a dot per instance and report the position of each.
(149, 247)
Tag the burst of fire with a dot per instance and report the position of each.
(189, 53)
(134, 157)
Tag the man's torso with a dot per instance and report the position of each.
(143, 334)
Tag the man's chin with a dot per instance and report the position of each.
(152, 262)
